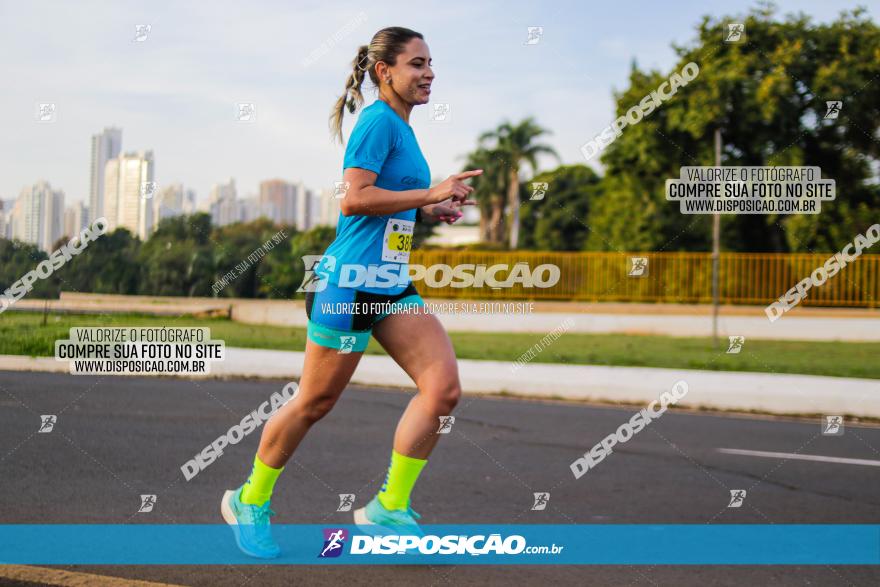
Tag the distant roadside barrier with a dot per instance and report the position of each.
(674, 277)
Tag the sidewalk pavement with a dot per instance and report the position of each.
(801, 323)
(721, 390)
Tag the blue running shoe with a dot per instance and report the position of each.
(250, 524)
(374, 519)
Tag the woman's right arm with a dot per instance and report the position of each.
(363, 198)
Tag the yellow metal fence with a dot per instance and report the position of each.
(745, 278)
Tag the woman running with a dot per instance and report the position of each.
(388, 190)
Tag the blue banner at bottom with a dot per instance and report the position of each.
(461, 544)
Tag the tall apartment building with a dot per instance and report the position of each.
(125, 178)
(222, 203)
(168, 202)
(76, 217)
(173, 200)
(105, 146)
(305, 207)
(328, 208)
(277, 201)
(38, 216)
(5, 210)
(189, 202)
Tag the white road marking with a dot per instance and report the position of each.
(788, 455)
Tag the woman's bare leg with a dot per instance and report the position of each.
(419, 344)
(326, 372)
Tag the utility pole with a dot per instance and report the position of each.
(716, 247)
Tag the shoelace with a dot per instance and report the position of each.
(257, 515)
(263, 513)
(260, 519)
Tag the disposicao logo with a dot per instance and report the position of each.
(334, 542)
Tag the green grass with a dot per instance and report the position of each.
(24, 334)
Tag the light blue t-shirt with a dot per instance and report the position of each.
(381, 142)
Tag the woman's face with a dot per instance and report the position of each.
(411, 77)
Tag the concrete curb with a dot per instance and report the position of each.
(780, 394)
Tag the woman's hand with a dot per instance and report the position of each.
(448, 211)
(452, 187)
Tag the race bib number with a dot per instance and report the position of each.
(397, 242)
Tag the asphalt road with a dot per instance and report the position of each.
(119, 437)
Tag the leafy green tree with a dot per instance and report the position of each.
(16, 260)
(767, 96)
(284, 271)
(558, 221)
(232, 245)
(109, 264)
(177, 260)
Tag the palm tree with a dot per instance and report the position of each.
(514, 145)
(489, 191)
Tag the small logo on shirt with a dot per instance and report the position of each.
(409, 180)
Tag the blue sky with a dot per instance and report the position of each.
(175, 93)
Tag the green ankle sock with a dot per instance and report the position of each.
(258, 488)
(400, 480)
